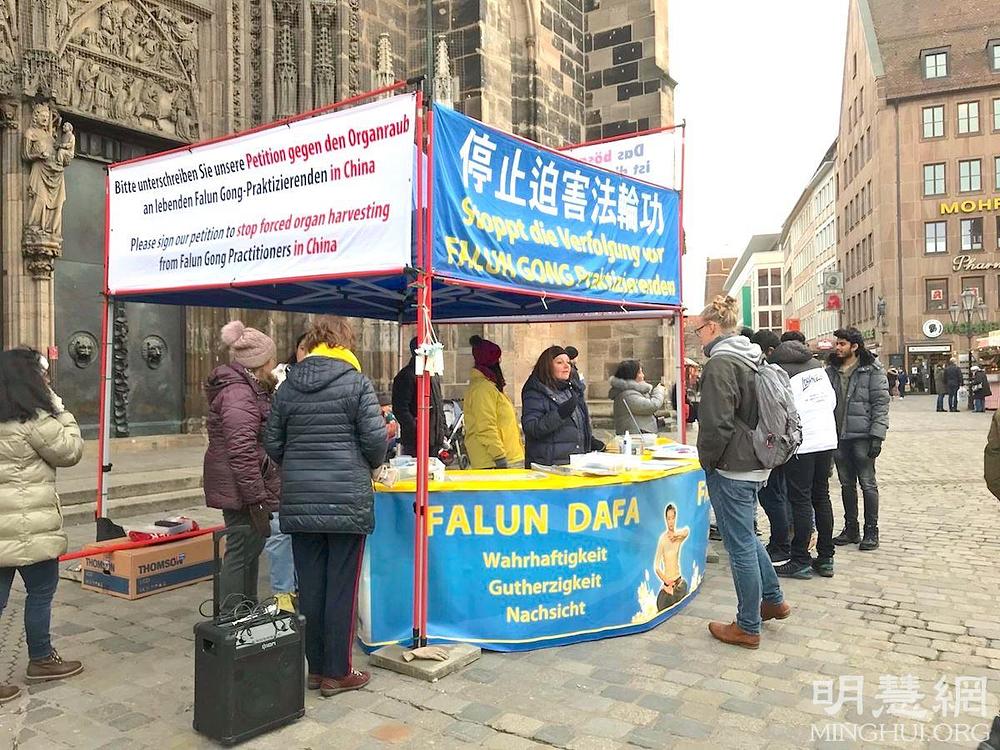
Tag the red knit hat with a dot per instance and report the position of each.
(484, 352)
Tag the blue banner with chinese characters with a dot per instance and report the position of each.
(509, 214)
(520, 569)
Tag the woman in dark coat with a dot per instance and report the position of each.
(328, 433)
(554, 414)
(980, 388)
(236, 477)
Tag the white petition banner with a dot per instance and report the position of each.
(650, 157)
(326, 195)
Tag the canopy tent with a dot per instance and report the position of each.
(371, 264)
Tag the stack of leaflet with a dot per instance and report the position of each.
(674, 454)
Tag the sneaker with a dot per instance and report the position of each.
(794, 570)
(713, 533)
(777, 558)
(9, 693)
(52, 668)
(870, 541)
(285, 603)
(823, 566)
(850, 535)
(353, 681)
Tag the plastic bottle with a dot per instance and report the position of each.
(627, 444)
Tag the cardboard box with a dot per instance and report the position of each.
(141, 572)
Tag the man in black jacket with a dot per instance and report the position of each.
(952, 382)
(404, 406)
(862, 416)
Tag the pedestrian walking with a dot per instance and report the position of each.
(492, 438)
(892, 377)
(733, 471)
(862, 419)
(237, 479)
(902, 381)
(37, 437)
(980, 389)
(807, 473)
(327, 432)
(952, 381)
(940, 386)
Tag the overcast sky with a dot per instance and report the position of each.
(759, 86)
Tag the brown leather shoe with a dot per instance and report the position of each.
(9, 693)
(770, 611)
(315, 682)
(733, 634)
(52, 668)
(354, 681)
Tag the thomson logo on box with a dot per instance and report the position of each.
(170, 562)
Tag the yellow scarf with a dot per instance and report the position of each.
(337, 352)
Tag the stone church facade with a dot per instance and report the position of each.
(84, 83)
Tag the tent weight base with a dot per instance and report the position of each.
(460, 655)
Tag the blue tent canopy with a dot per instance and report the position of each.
(389, 297)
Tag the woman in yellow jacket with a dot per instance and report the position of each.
(492, 436)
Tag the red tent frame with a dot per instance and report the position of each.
(423, 256)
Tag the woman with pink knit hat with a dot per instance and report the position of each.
(236, 477)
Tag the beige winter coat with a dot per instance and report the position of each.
(30, 516)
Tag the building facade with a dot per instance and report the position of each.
(809, 248)
(756, 283)
(918, 164)
(716, 272)
(85, 84)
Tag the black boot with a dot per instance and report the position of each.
(870, 540)
(850, 535)
(993, 743)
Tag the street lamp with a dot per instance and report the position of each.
(971, 308)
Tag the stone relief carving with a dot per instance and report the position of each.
(154, 348)
(354, 48)
(446, 88)
(8, 43)
(49, 145)
(286, 63)
(256, 75)
(119, 371)
(83, 349)
(133, 62)
(383, 74)
(324, 53)
(237, 78)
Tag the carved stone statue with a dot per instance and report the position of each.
(181, 115)
(880, 309)
(87, 85)
(49, 146)
(83, 349)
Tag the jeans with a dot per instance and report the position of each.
(241, 565)
(329, 569)
(279, 557)
(854, 467)
(940, 401)
(953, 399)
(902, 390)
(807, 477)
(979, 403)
(40, 581)
(735, 503)
(773, 498)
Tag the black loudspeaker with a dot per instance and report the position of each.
(249, 671)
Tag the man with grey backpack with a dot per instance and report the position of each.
(748, 426)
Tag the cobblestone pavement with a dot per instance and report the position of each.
(923, 607)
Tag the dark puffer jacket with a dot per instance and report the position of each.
(548, 438)
(867, 393)
(404, 406)
(238, 408)
(328, 433)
